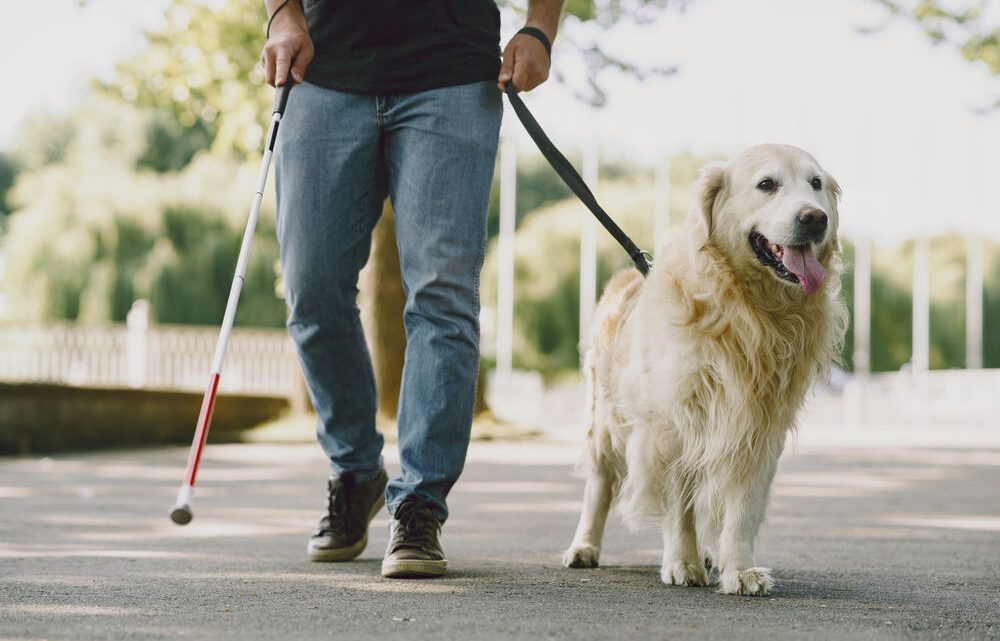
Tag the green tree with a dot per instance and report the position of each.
(991, 306)
(200, 72)
(8, 173)
(91, 232)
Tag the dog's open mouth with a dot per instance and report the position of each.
(793, 263)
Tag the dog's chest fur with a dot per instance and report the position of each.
(711, 373)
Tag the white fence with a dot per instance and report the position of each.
(258, 362)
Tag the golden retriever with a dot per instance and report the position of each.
(696, 373)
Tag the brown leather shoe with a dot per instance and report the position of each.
(350, 506)
(414, 551)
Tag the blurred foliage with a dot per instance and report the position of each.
(537, 185)
(92, 231)
(169, 146)
(142, 190)
(892, 306)
(547, 261)
(8, 173)
(991, 305)
(43, 140)
(200, 75)
(546, 273)
(963, 23)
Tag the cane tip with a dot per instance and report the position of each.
(181, 514)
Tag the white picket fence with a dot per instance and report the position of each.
(165, 357)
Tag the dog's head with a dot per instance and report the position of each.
(772, 208)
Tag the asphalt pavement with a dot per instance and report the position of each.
(865, 543)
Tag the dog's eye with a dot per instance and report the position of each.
(767, 185)
(816, 183)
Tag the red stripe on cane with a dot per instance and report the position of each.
(204, 420)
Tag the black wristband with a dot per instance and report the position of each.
(540, 35)
(267, 33)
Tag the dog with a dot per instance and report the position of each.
(696, 373)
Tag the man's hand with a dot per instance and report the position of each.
(525, 62)
(289, 46)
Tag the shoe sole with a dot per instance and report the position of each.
(413, 568)
(350, 552)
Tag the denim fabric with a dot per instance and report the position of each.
(337, 157)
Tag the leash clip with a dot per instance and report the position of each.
(643, 261)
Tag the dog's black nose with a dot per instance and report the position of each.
(812, 224)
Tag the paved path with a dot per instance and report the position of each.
(865, 544)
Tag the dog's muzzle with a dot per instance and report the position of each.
(810, 226)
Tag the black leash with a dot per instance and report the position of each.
(643, 260)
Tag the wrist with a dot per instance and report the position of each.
(541, 36)
(289, 22)
(547, 27)
(286, 16)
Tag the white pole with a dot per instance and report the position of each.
(661, 202)
(974, 259)
(920, 360)
(973, 302)
(505, 257)
(855, 394)
(588, 253)
(862, 307)
(136, 345)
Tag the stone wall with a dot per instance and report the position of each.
(37, 418)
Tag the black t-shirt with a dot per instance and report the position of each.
(402, 46)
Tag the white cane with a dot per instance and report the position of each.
(181, 512)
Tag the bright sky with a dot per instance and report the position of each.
(889, 115)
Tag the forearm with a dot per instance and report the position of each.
(292, 11)
(544, 15)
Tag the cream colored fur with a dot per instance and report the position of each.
(696, 373)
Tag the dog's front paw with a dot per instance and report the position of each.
(748, 582)
(581, 556)
(689, 573)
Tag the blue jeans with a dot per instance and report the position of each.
(337, 158)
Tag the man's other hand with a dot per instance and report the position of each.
(525, 62)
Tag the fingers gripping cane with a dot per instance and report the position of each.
(181, 512)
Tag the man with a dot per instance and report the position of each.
(399, 99)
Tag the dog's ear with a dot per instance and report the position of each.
(833, 187)
(711, 180)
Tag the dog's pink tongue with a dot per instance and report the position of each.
(801, 262)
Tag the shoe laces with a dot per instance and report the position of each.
(418, 523)
(336, 507)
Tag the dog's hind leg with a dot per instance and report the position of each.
(585, 550)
